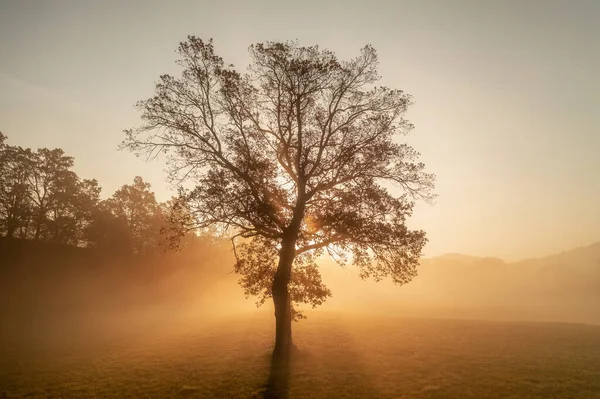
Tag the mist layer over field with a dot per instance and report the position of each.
(89, 324)
(564, 287)
(55, 286)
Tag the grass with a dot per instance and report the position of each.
(341, 356)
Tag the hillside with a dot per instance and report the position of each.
(561, 287)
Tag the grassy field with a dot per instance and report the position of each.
(341, 356)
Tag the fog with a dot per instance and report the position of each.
(72, 293)
(560, 288)
(69, 295)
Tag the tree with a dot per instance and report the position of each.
(292, 159)
(108, 232)
(15, 207)
(86, 203)
(42, 198)
(73, 205)
(177, 230)
(136, 207)
(49, 180)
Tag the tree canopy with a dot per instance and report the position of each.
(299, 152)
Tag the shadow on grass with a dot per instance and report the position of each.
(328, 367)
(278, 384)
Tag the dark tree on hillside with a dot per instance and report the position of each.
(42, 198)
(15, 207)
(50, 181)
(134, 206)
(293, 158)
(107, 232)
(71, 214)
(85, 205)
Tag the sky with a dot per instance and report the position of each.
(506, 114)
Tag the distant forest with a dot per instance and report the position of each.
(43, 199)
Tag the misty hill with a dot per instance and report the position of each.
(560, 287)
(576, 271)
(586, 259)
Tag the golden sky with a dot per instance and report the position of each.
(506, 114)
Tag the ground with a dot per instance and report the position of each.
(341, 355)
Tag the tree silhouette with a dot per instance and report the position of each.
(293, 158)
(50, 181)
(73, 204)
(15, 206)
(135, 206)
(84, 206)
(42, 198)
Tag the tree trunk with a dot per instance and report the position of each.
(282, 302)
(278, 384)
(38, 228)
(10, 228)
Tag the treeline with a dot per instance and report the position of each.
(42, 198)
